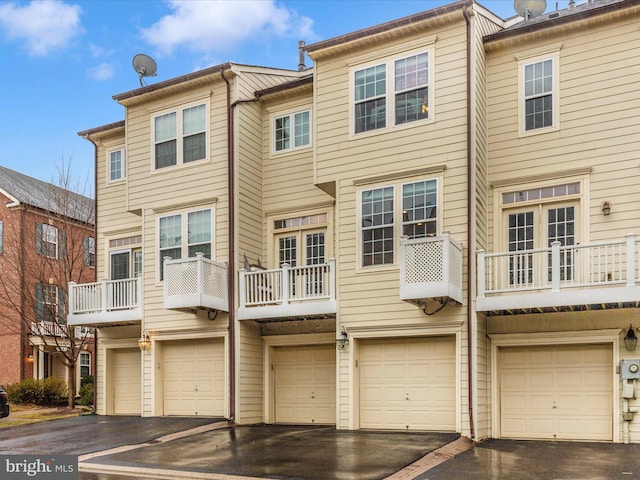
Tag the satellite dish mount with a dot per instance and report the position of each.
(145, 66)
(529, 9)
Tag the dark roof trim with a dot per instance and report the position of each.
(569, 17)
(300, 82)
(384, 27)
(102, 129)
(173, 81)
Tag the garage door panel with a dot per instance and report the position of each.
(556, 392)
(305, 384)
(127, 381)
(408, 383)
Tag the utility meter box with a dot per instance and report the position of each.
(630, 369)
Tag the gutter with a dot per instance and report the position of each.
(470, 192)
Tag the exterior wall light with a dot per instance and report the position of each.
(630, 339)
(144, 342)
(30, 358)
(606, 207)
(342, 342)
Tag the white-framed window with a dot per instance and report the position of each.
(89, 251)
(116, 165)
(410, 208)
(85, 364)
(291, 131)
(184, 234)
(180, 136)
(392, 92)
(50, 241)
(50, 303)
(538, 91)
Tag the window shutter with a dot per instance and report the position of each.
(62, 246)
(62, 306)
(39, 305)
(39, 238)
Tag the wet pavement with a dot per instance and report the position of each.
(537, 460)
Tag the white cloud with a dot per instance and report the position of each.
(99, 52)
(104, 71)
(215, 26)
(43, 25)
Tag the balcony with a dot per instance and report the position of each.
(105, 303)
(195, 284)
(430, 268)
(575, 277)
(288, 292)
(54, 329)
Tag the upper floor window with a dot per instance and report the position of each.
(538, 78)
(184, 234)
(292, 131)
(49, 241)
(89, 251)
(116, 165)
(394, 92)
(180, 136)
(50, 303)
(1, 235)
(380, 218)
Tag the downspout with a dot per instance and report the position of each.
(95, 236)
(232, 253)
(470, 258)
(232, 239)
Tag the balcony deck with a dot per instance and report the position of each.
(430, 268)
(196, 283)
(105, 303)
(569, 277)
(288, 292)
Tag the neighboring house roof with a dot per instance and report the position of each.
(573, 13)
(22, 189)
(287, 86)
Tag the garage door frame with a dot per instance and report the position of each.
(574, 338)
(272, 342)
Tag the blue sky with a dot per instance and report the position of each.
(61, 61)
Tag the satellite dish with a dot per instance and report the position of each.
(529, 9)
(145, 66)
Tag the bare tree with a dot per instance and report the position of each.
(54, 246)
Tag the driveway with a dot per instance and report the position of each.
(111, 446)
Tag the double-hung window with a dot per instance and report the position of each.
(185, 234)
(50, 303)
(394, 92)
(116, 165)
(292, 131)
(414, 213)
(49, 241)
(89, 251)
(180, 137)
(538, 78)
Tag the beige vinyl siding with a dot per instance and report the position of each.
(599, 120)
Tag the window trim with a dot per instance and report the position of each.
(88, 249)
(390, 92)
(397, 185)
(123, 166)
(291, 115)
(180, 136)
(184, 246)
(524, 61)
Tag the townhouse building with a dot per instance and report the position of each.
(335, 245)
(46, 240)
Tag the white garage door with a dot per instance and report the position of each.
(126, 381)
(194, 377)
(408, 384)
(556, 392)
(305, 384)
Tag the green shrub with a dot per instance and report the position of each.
(51, 391)
(86, 391)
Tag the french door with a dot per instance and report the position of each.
(538, 226)
(302, 248)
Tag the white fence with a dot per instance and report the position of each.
(104, 296)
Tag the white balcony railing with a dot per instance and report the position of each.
(603, 272)
(288, 291)
(53, 329)
(430, 268)
(194, 283)
(108, 301)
